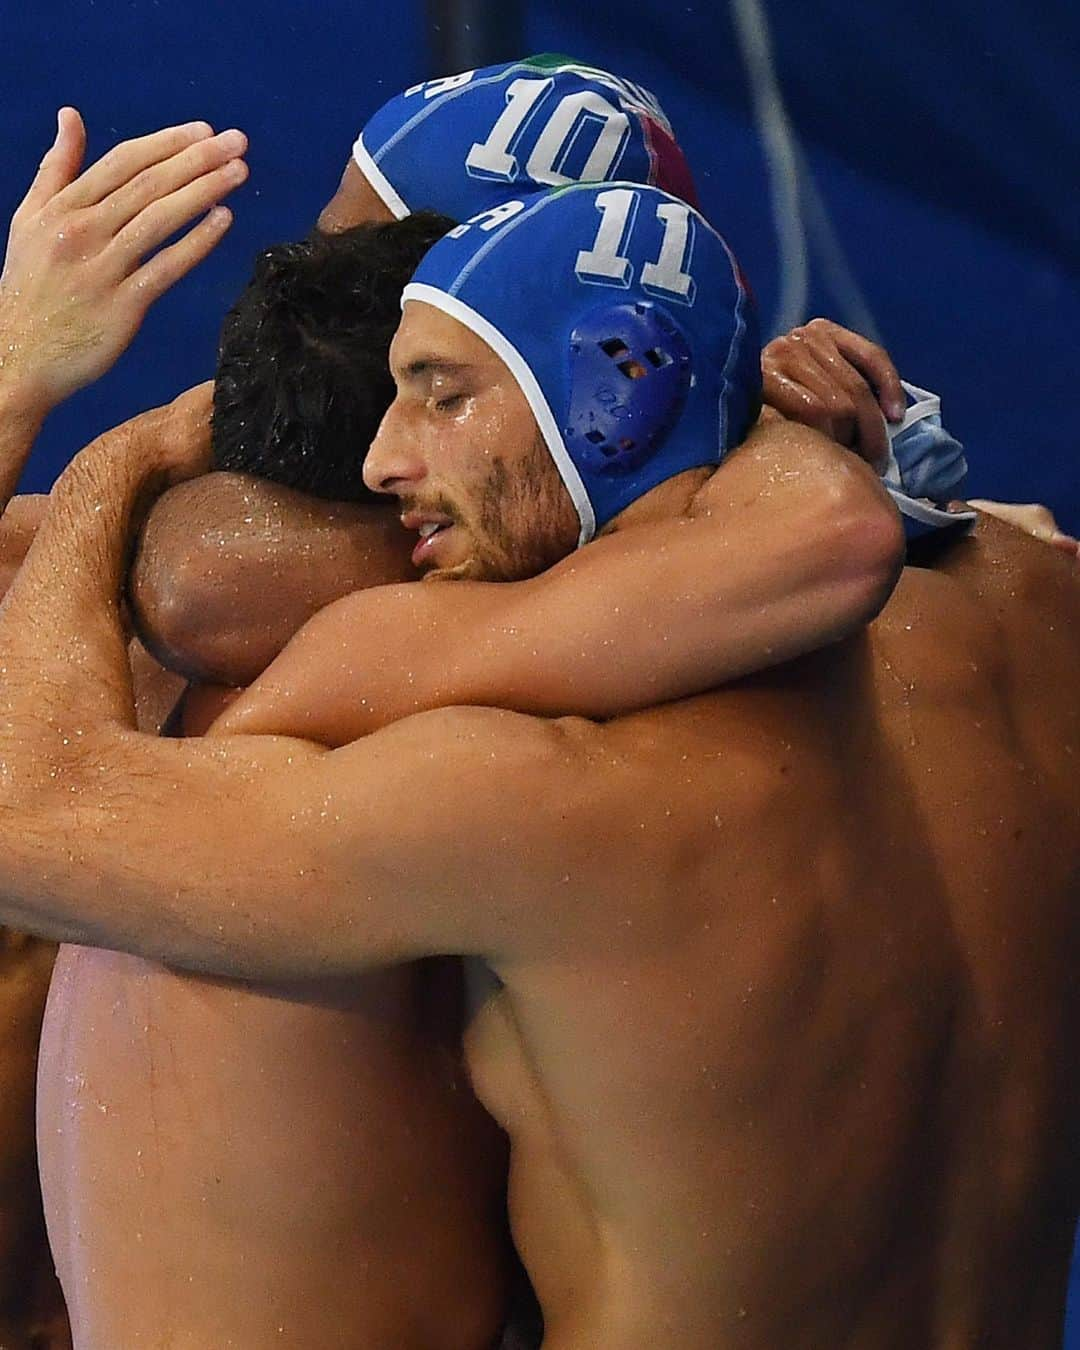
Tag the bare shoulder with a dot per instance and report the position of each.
(545, 829)
(1031, 590)
(777, 451)
(1008, 605)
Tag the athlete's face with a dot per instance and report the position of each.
(460, 449)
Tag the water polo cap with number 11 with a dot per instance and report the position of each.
(624, 319)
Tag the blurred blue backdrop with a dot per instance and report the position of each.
(907, 168)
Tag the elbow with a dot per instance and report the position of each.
(168, 611)
(183, 590)
(871, 556)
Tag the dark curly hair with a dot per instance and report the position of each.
(302, 378)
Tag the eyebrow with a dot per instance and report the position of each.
(425, 367)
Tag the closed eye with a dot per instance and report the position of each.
(449, 402)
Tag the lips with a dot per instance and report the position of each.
(431, 527)
(426, 551)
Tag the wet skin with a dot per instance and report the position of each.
(234, 1165)
(804, 1073)
(698, 1097)
(30, 1300)
(786, 1041)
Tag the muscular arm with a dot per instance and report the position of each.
(285, 859)
(17, 529)
(791, 545)
(228, 567)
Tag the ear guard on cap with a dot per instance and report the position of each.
(630, 373)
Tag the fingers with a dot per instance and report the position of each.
(873, 362)
(164, 217)
(1066, 543)
(1033, 519)
(810, 384)
(820, 374)
(170, 175)
(62, 161)
(184, 442)
(166, 268)
(76, 247)
(855, 404)
(800, 384)
(124, 161)
(790, 397)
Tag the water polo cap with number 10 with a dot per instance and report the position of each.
(626, 322)
(462, 144)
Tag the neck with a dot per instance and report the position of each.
(668, 499)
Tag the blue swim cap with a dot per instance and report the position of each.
(460, 145)
(926, 468)
(625, 320)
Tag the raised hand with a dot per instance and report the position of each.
(827, 377)
(81, 268)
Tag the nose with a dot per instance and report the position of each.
(393, 463)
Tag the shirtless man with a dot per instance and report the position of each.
(359, 547)
(175, 1011)
(217, 550)
(75, 287)
(770, 1003)
(219, 1254)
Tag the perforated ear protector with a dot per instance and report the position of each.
(630, 373)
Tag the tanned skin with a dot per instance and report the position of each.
(296, 1164)
(76, 283)
(385, 1052)
(31, 1306)
(150, 1194)
(792, 1062)
(889, 814)
(207, 1147)
(786, 968)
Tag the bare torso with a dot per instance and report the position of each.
(229, 1166)
(807, 1078)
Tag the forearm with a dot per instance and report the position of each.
(661, 613)
(793, 545)
(21, 419)
(67, 707)
(62, 636)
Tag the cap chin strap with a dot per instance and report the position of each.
(921, 515)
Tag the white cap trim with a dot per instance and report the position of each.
(378, 180)
(529, 385)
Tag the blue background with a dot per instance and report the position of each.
(937, 199)
(933, 195)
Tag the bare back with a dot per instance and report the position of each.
(805, 1078)
(232, 1166)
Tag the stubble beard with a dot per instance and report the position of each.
(526, 522)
